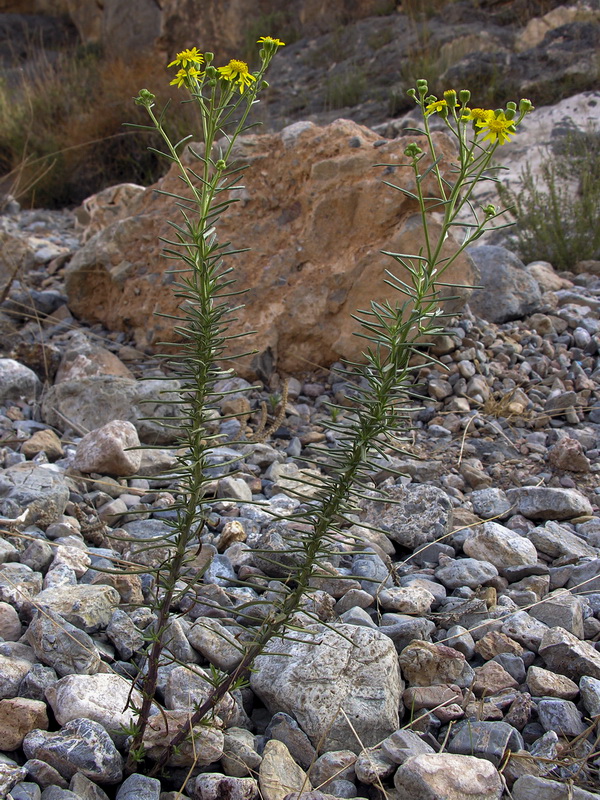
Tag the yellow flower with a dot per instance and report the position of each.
(269, 40)
(499, 129)
(193, 56)
(435, 107)
(237, 72)
(183, 75)
(476, 114)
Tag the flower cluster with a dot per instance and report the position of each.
(191, 75)
(497, 126)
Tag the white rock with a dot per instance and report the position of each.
(500, 546)
(442, 776)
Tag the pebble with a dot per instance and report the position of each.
(476, 602)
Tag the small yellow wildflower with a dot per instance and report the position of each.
(499, 128)
(191, 57)
(183, 75)
(435, 107)
(237, 72)
(269, 40)
(476, 114)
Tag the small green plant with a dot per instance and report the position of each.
(344, 89)
(558, 211)
(391, 329)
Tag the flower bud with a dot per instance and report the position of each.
(211, 72)
(510, 106)
(510, 112)
(422, 87)
(208, 57)
(525, 106)
(464, 96)
(489, 210)
(412, 150)
(221, 165)
(145, 98)
(450, 98)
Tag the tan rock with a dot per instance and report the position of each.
(107, 450)
(43, 442)
(426, 664)
(278, 774)
(314, 214)
(18, 716)
(543, 683)
(442, 776)
(492, 678)
(567, 454)
(84, 359)
(494, 643)
(418, 697)
(205, 748)
(537, 28)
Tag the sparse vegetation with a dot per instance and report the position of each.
(558, 214)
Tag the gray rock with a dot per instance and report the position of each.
(542, 502)
(44, 774)
(560, 716)
(12, 672)
(590, 694)
(85, 788)
(531, 787)
(555, 540)
(62, 646)
(418, 514)
(43, 490)
(18, 584)
(403, 744)
(402, 631)
(17, 382)
(372, 572)
(37, 681)
(80, 746)
(488, 740)
(326, 673)
(285, 729)
(357, 616)
(525, 630)
(25, 791)
(568, 655)
(373, 766)
(505, 289)
(331, 766)
(214, 786)
(85, 606)
(92, 402)
(215, 643)
(499, 546)
(104, 698)
(488, 503)
(583, 577)
(444, 776)
(469, 572)
(56, 793)
(561, 608)
(139, 787)
(240, 758)
(121, 631)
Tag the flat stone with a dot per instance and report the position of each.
(104, 698)
(443, 776)
(555, 540)
(563, 609)
(327, 673)
(12, 672)
(139, 787)
(492, 678)
(499, 546)
(543, 683)
(80, 746)
(561, 716)
(568, 655)
(42, 490)
(61, 645)
(542, 502)
(207, 746)
(333, 765)
(403, 744)
(240, 757)
(486, 740)
(407, 600)
(469, 572)
(418, 514)
(417, 697)
(86, 606)
(530, 787)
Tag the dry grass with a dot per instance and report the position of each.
(61, 127)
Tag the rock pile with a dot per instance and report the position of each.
(456, 652)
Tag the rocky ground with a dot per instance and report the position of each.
(470, 661)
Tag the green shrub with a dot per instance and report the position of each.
(558, 213)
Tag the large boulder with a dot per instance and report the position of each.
(341, 683)
(314, 215)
